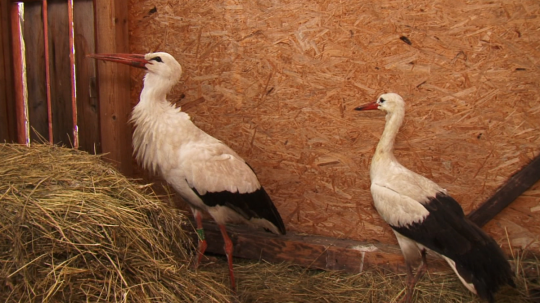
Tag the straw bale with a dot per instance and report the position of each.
(72, 229)
(277, 81)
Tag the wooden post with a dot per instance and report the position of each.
(18, 80)
(8, 126)
(114, 83)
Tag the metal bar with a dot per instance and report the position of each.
(47, 70)
(20, 108)
(72, 70)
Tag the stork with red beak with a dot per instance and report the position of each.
(204, 171)
(423, 216)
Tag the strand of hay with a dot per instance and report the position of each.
(72, 229)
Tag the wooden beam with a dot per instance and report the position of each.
(8, 125)
(506, 194)
(114, 83)
(316, 252)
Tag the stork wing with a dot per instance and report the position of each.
(478, 258)
(395, 208)
(439, 224)
(445, 229)
(216, 168)
(218, 176)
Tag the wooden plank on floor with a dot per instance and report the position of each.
(310, 251)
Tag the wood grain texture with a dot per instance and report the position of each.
(279, 81)
(35, 71)
(114, 83)
(18, 83)
(87, 103)
(8, 126)
(316, 252)
(60, 72)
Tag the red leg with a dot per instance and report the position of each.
(421, 269)
(228, 251)
(202, 241)
(413, 279)
(410, 285)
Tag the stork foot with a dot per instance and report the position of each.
(413, 279)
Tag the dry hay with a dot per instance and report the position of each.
(262, 282)
(73, 229)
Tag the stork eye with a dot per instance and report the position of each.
(158, 59)
(381, 100)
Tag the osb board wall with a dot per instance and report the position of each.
(278, 81)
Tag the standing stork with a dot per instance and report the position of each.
(423, 216)
(204, 171)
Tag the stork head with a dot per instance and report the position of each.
(162, 68)
(163, 71)
(389, 103)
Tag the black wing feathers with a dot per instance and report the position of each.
(446, 230)
(256, 204)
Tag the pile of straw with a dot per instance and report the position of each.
(268, 283)
(72, 229)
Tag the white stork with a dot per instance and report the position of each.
(204, 171)
(423, 216)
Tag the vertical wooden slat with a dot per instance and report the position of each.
(36, 70)
(114, 83)
(87, 104)
(8, 126)
(18, 75)
(72, 74)
(47, 63)
(60, 72)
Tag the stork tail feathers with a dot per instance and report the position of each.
(255, 207)
(484, 267)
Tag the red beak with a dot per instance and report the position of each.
(134, 60)
(368, 106)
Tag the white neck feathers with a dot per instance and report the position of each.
(157, 124)
(385, 148)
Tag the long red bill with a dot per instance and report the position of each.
(134, 60)
(368, 106)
